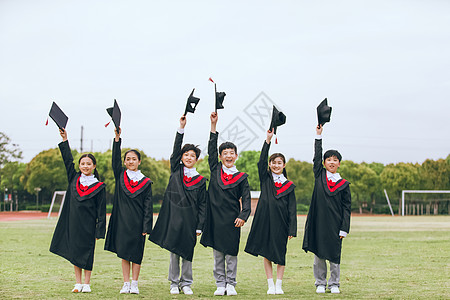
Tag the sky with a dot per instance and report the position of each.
(383, 66)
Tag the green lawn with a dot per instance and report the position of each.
(383, 257)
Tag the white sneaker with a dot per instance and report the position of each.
(231, 291)
(126, 288)
(86, 288)
(78, 288)
(187, 290)
(320, 289)
(335, 290)
(220, 291)
(134, 288)
(174, 290)
(278, 289)
(271, 290)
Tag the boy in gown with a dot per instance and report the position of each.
(131, 216)
(275, 219)
(182, 213)
(83, 216)
(328, 220)
(224, 215)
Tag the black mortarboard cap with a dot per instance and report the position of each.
(58, 116)
(323, 112)
(220, 96)
(191, 103)
(278, 119)
(115, 114)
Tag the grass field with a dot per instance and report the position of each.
(383, 257)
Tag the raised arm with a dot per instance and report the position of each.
(317, 161)
(176, 152)
(67, 155)
(212, 144)
(116, 154)
(101, 215)
(262, 163)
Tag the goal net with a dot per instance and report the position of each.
(424, 204)
(57, 202)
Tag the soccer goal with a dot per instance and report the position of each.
(418, 192)
(57, 202)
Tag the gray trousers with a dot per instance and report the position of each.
(177, 280)
(219, 269)
(320, 272)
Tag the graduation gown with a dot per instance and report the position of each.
(82, 219)
(275, 216)
(222, 206)
(183, 209)
(329, 213)
(132, 213)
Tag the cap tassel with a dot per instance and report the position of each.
(46, 122)
(210, 79)
(276, 140)
(106, 125)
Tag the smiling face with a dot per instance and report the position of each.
(86, 166)
(189, 158)
(132, 161)
(332, 163)
(228, 157)
(277, 165)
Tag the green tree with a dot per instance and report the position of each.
(402, 176)
(248, 162)
(301, 174)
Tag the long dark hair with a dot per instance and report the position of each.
(94, 161)
(135, 152)
(276, 155)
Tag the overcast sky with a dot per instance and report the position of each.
(383, 65)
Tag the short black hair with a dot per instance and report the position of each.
(189, 147)
(227, 145)
(135, 152)
(331, 153)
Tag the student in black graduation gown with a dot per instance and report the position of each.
(328, 220)
(224, 216)
(275, 219)
(83, 215)
(182, 213)
(132, 214)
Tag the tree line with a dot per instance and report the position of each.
(46, 172)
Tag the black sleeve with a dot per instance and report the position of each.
(212, 150)
(68, 159)
(246, 201)
(148, 212)
(101, 215)
(176, 153)
(317, 166)
(117, 158)
(346, 202)
(262, 163)
(201, 208)
(292, 209)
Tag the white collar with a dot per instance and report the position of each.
(231, 170)
(135, 175)
(278, 178)
(87, 180)
(192, 172)
(333, 177)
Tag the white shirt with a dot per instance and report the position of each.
(230, 171)
(88, 180)
(333, 177)
(278, 178)
(192, 172)
(135, 175)
(180, 130)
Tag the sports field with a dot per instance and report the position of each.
(383, 257)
